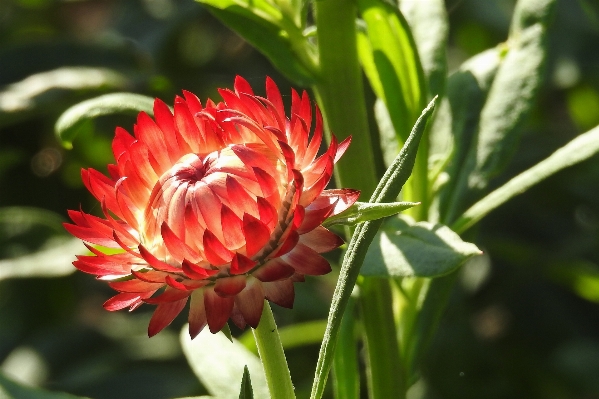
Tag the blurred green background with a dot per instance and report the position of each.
(522, 323)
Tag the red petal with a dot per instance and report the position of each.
(241, 264)
(342, 148)
(289, 243)
(321, 240)
(229, 286)
(250, 302)
(273, 270)
(155, 262)
(307, 261)
(216, 253)
(218, 309)
(197, 313)
(122, 300)
(242, 86)
(280, 292)
(164, 314)
(169, 295)
(134, 285)
(256, 234)
(196, 272)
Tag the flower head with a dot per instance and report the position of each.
(219, 205)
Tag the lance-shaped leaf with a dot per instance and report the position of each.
(365, 211)
(387, 190)
(292, 336)
(219, 364)
(390, 60)
(430, 26)
(509, 102)
(75, 118)
(246, 391)
(581, 148)
(404, 248)
(272, 32)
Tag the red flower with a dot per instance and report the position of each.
(220, 205)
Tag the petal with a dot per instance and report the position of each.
(307, 261)
(280, 292)
(197, 313)
(229, 286)
(321, 240)
(241, 264)
(273, 270)
(218, 309)
(256, 235)
(250, 302)
(215, 252)
(164, 314)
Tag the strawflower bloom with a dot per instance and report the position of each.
(219, 205)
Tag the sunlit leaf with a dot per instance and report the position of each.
(219, 364)
(292, 336)
(390, 60)
(271, 32)
(365, 211)
(387, 190)
(429, 25)
(73, 119)
(404, 248)
(11, 390)
(581, 148)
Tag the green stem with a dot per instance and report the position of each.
(346, 375)
(340, 92)
(386, 374)
(272, 356)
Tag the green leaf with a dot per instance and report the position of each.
(387, 190)
(365, 211)
(581, 148)
(404, 248)
(219, 364)
(271, 32)
(430, 26)
(346, 369)
(38, 243)
(54, 259)
(246, 391)
(390, 60)
(509, 102)
(456, 121)
(11, 390)
(73, 119)
(42, 89)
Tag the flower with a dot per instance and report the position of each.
(219, 205)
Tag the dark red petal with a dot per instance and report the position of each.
(280, 292)
(321, 240)
(164, 314)
(237, 317)
(241, 264)
(134, 285)
(229, 286)
(218, 309)
(155, 262)
(307, 261)
(197, 313)
(122, 301)
(273, 270)
(216, 253)
(314, 218)
(250, 302)
(256, 234)
(290, 242)
(169, 295)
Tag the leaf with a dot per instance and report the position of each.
(581, 148)
(219, 364)
(73, 119)
(246, 391)
(404, 248)
(272, 33)
(456, 121)
(387, 190)
(509, 102)
(390, 60)
(41, 88)
(365, 211)
(430, 26)
(53, 260)
(11, 390)
(346, 369)
(38, 244)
